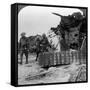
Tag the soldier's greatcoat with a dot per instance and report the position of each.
(23, 46)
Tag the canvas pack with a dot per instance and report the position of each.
(49, 44)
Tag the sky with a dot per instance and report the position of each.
(35, 20)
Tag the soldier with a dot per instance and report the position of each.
(38, 47)
(23, 46)
(44, 43)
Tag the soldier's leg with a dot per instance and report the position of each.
(37, 56)
(26, 54)
(21, 57)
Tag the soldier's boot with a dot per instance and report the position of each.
(21, 57)
(26, 58)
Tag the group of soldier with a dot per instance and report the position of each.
(41, 44)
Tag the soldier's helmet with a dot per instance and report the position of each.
(44, 35)
(23, 34)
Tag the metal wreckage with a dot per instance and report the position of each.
(73, 29)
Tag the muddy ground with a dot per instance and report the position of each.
(32, 73)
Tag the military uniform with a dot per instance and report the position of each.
(44, 44)
(41, 45)
(23, 48)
